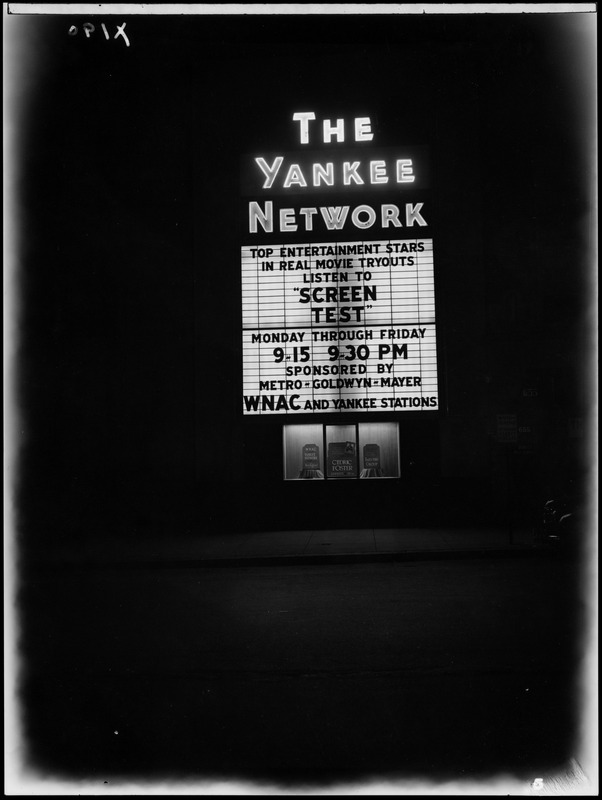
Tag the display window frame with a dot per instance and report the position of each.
(343, 451)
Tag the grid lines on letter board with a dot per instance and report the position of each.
(340, 326)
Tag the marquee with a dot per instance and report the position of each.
(342, 323)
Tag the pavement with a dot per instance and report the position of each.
(293, 547)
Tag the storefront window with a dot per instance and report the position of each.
(319, 452)
(379, 450)
(303, 452)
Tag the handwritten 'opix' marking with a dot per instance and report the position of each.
(88, 29)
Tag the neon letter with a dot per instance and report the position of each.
(405, 170)
(363, 129)
(303, 117)
(287, 219)
(294, 175)
(350, 171)
(257, 215)
(334, 216)
(378, 172)
(413, 214)
(338, 129)
(308, 214)
(357, 221)
(269, 172)
(327, 175)
(390, 215)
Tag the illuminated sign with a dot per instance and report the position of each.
(337, 324)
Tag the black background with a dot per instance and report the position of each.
(127, 291)
(129, 362)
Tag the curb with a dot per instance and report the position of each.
(302, 559)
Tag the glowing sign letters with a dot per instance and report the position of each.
(362, 127)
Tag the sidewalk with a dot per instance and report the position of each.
(295, 547)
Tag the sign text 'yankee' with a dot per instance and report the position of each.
(301, 173)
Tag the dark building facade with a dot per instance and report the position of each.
(138, 183)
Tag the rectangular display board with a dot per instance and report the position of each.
(339, 326)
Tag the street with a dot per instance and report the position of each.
(456, 669)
